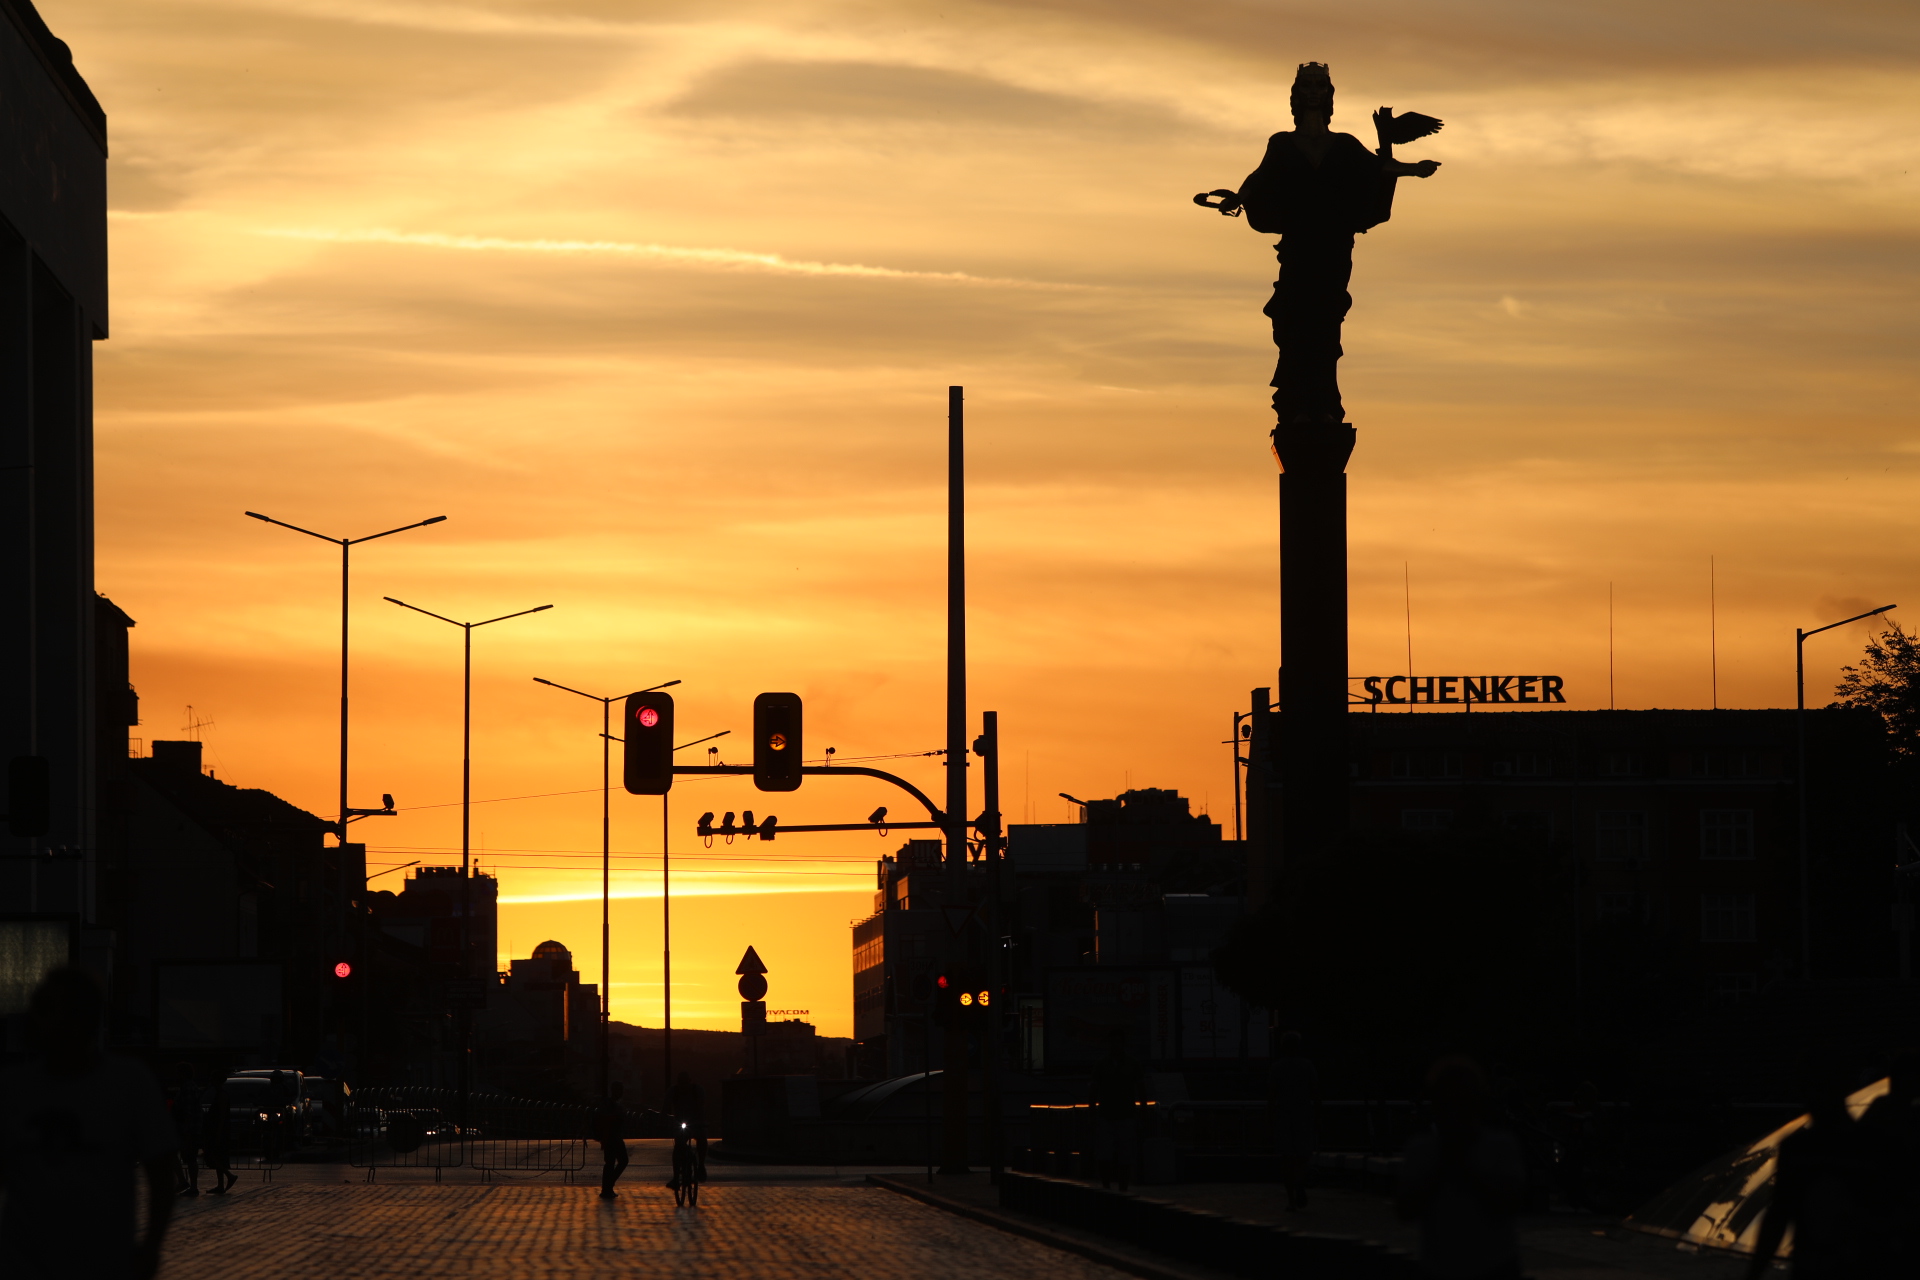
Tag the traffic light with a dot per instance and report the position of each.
(962, 992)
(648, 732)
(776, 742)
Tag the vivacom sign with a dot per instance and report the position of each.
(1462, 689)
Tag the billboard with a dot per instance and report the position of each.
(29, 950)
(217, 1005)
(1086, 1008)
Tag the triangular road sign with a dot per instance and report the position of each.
(957, 918)
(750, 963)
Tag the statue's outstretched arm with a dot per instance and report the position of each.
(1228, 202)
(1415, 169)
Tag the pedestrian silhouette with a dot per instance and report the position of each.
(186, 1106)
(1118, 1088)
(216, 1138)
(1464, 1181)
(1819, 1175)
(1584, 1145)
(1292, 1089)
(687, 1170)
(1891, 1131)
(613, 1140)
(75, 1122)
(687, 1103)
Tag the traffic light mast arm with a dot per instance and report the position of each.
(836, 771)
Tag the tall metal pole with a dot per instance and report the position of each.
(666, 966)
(997, 978)
(956, 629)
(606, 896)
(466, 863)
(1800, 786)
(346, 546)
(1800, 725)
(464, 965)
(954, 1095)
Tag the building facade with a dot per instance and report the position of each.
(1677, 833)
(53, 307)
(1103, 927)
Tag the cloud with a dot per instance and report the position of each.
(674, 254)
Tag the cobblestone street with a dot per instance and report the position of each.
(295, 1230)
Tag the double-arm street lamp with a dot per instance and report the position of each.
(1800, 722)
(606, 858)
(346, 545)
(466, 820)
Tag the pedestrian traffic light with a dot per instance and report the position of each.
(649, 743)
(961, 992)
(776, 742)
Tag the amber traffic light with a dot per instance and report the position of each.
(776, 742)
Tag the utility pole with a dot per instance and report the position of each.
(954, 1093)
(993, 1020)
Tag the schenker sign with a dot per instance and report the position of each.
(1461, 689)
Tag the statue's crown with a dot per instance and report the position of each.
(1312, 86)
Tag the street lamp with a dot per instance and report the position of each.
(606, 859)
(466, 822)
(346, 545)
(1800, 727)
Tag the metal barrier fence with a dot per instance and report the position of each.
(435, 1128)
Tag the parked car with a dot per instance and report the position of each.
(263, 1117)
(289, 1090)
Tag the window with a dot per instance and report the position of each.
(1726, 917)
(1726, 764)
(1426, 764)
(1731, 990)
(1618, 764)
(1726, 833)
(1620, 908)
(1537, 821)
(1522, 764)
(1426, 819)
(1620, 834)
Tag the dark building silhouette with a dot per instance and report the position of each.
(427, 912)
(539, 1034)
(53, 306)
(1112, 922)
(1679, 831)
(1668, 905)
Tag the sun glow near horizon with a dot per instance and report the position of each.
(659, 307)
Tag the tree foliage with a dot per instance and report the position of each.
(1887, 682)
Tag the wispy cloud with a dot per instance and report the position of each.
(737, 259)
(759, 889)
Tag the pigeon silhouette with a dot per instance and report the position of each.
(1403, 128)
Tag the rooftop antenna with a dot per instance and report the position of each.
(1609, 646)
(1406, 585)
(194, 725)
(1713, 631)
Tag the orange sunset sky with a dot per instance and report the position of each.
(658, 303)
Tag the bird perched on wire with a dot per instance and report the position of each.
(1408, 127)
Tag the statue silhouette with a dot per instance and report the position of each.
(1316, 190)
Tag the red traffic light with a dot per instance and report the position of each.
(648, 717)
(343, 970)
(941, 981)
